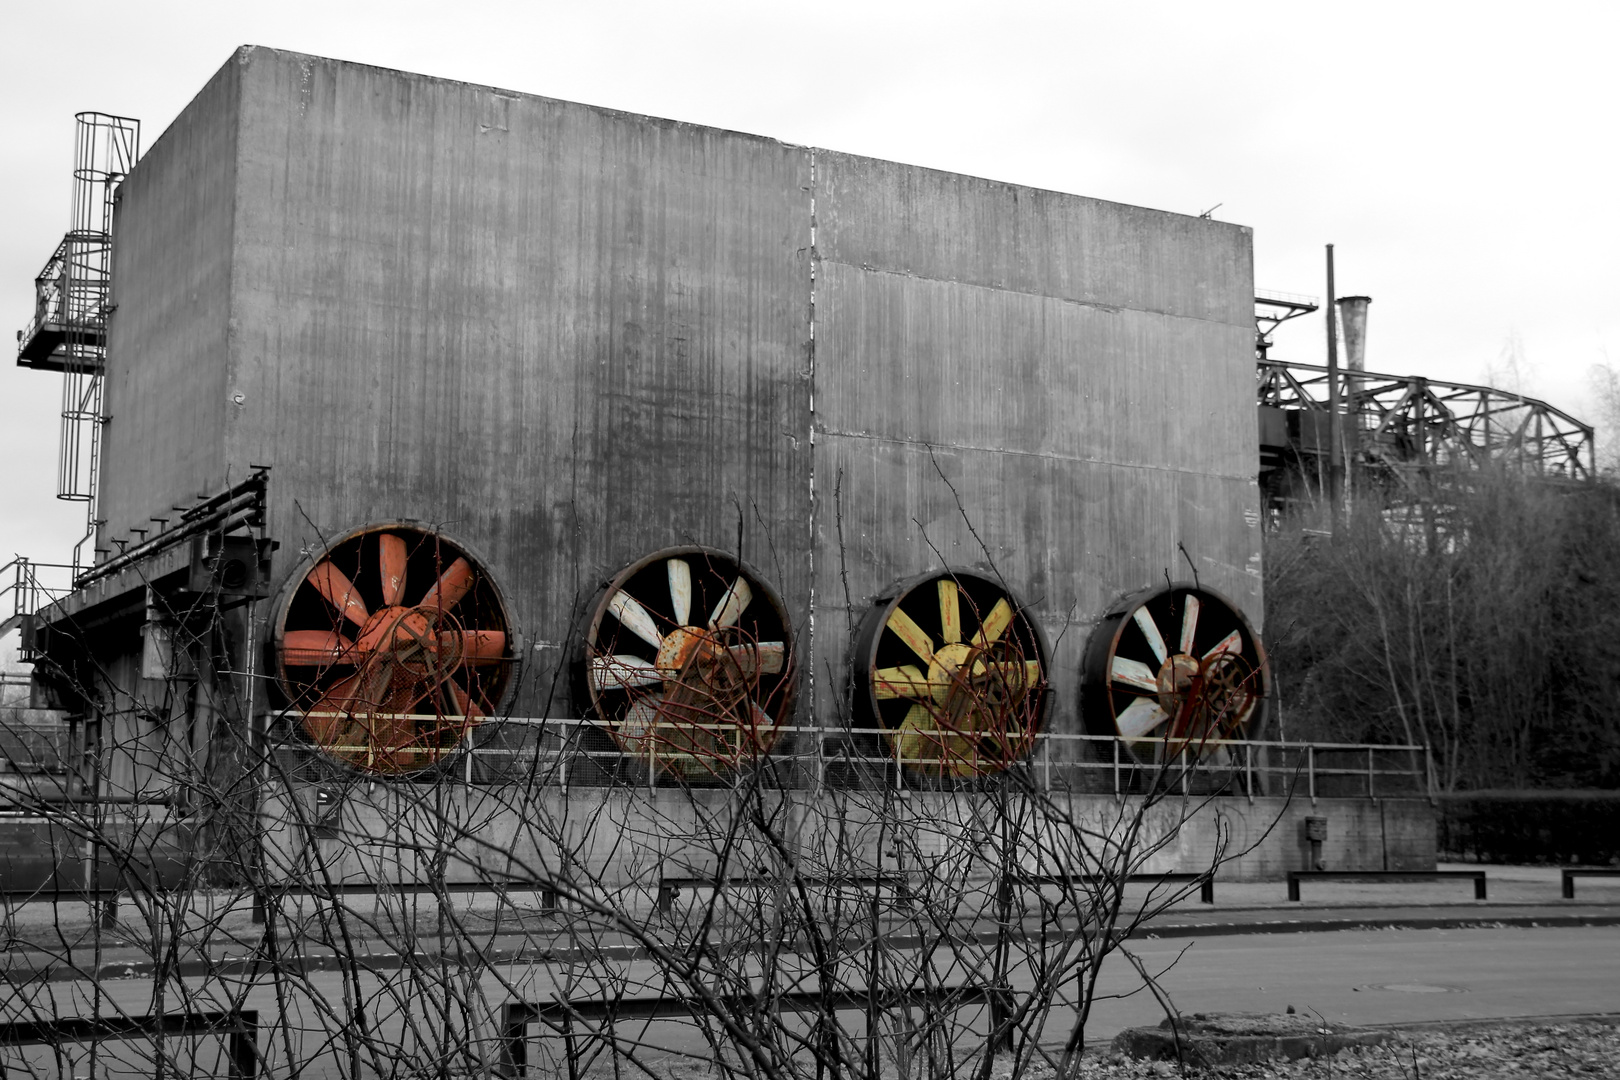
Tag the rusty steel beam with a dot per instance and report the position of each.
(1407, 423)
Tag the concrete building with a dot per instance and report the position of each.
(566, 338)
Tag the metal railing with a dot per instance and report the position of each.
(26, 586)
(560, 751)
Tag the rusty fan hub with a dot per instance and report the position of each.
(943, 669)
(1175, 679)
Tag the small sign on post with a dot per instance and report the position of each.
(1316, 833)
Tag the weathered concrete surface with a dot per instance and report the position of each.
(565, 335)
(626, 837)
(169, 333)
(1048, 388)
(570, 336)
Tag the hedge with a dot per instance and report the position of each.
(1519, 827)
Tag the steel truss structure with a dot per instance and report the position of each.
(1402, 423)
(1398, 429)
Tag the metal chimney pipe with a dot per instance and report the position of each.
(1353, 314)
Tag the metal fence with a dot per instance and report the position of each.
(570, 750)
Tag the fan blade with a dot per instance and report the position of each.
(622, 672)
(391, 567)
(641, 722)
(1232, 643)
(906, 681)
(765, 658)
(1139, 718)
(905, 628)
(1150, 630)
(1133, 673)
(328, 721)
(994, 625)
(763, 725)
(634, 618)
(340, 592)
(950, 612)
(913, 744)
(680, 590)
(478, 646)
(1189, 624)
(464, 702)
(452, 585)
(315, 648)
(731, 605)
(923, 741)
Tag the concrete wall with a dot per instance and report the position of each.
(168, 337)
(572, 336)
(375, 837)
(1067, 378)
(626, 836)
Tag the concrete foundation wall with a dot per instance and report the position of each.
(625, 836)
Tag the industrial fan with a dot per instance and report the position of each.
(688, 662)
(391, 647)
(1175, 671)
(954, 671)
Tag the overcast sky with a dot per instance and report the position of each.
(1461, 156)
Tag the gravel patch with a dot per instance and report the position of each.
(1517, 1051)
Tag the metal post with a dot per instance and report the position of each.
(1046, 749)
(1248, 770)
(1116, 768)
(1310, 769)
(1370, 793)
(244, 1045)
(1335, 449)
(564, 755)
(514, 1052)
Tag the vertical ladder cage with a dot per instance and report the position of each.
(72, 301)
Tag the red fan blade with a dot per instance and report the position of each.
(391, 553)
(327, 722)
(450, 588)
(477, 646)
(316, 648)
(340, 592)
(469, 708)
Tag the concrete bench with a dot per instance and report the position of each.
(53, 892)
(241, 1025)
(517, 1016)
(1296, 876)
(670, 886)
(1570, 873)
(1206, 884)
(548, 896)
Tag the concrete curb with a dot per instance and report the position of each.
(259, 967)
(1471, 921)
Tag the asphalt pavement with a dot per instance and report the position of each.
(36, 935)
(1351, 952)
